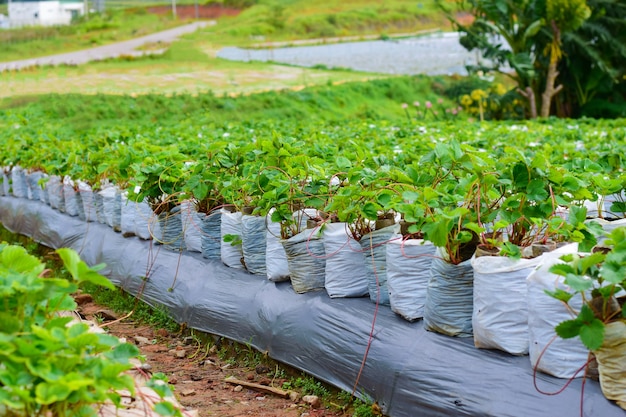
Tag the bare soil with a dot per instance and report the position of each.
(198, 375)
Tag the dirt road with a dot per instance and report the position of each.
(108, 51)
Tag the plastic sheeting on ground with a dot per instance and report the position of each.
(409, 371)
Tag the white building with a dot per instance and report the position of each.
(4, 21)
(44, 12)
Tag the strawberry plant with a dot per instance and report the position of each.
(158, 177)
(598, 280)
(51, 366)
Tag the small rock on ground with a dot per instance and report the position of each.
(312, 400)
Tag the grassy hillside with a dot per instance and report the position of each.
(373, 100)
(189, 65)
(267, 20)
(301, 19)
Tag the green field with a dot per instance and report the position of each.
(189, 65)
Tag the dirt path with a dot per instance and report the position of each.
(198, 374)
(108, 51)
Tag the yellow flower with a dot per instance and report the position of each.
(466, 100)
(477, 95)
(499, 89)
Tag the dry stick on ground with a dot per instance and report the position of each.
(258, 387)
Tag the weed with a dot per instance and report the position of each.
(309, 386)
(279, 373)
(364, 409)
(344, 397)
(223, 353)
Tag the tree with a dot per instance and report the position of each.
(594, 64)
(540, 39)
(562, 16)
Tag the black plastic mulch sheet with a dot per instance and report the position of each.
(410, 372)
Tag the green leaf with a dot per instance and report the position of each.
(586, 315)
(511, 250)
(595, 228)
(384, 198)
(123, 352)
(562, 269)
(10, 400)
(75, 381)
(83, 341)
(77, 329)
(370, 210)
(536, 190)
(533, 29)
(234, 240)
(113, 370)
(201, 190)
(48, 393)
(160, 387)
(607, 291)
(166, 409)
(577, 215)
(9, 323)
(569, 328)
(410, 196)
(612, 271)
(80, 271)
(578, 283)
(589, 262)
(520, 175)
(85, 411)
(474, 227)
(618, 207)
(500, 224)
(592, 334)
(43, 334)
(560, 295)
(15, 258)
(43, 369)
(62, 302)
(437, 233)
(343, 163)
